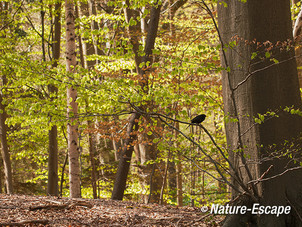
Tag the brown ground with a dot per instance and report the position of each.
(21, 210)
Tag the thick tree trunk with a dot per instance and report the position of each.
(257, 86)
(52, 184)
(0, 176)
(72, 106)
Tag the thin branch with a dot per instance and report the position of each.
(207, 155)
(275, 176)
(262, 176)
(260, 70)
(14, 14)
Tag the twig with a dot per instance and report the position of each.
(24, 222)
(62, 206)
(275, 176)
(259, 70)
(48, 207)
(207, 155)
(262, 176)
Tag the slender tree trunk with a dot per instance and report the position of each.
(52, 184)
(94, 26)
(161, 198)
(4, 145)
(72, 105)
(133, 33)
(87, 47)
(92, 154)
(125, 159)
(42, 14)
(178, 171)
(297, 33)
(123, 168)
(3, 127)
(81, 45)
(92, 142)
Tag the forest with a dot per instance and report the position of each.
(181, 107)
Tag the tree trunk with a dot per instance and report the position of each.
(94, 26)
(4, 10)
(4, 145)
(178, 170)
(92, 154)
(52, 184)
(259, 86)
(125, 158)
(86, 48)
(0, 176)
(151, 150)
(72, 106)
(123, 168)
(161, 198)
(297, 33)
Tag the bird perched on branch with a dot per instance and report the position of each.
(198, 119)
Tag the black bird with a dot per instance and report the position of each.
(198, 119)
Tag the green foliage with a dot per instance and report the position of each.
(184, 81)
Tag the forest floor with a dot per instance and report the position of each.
(22, 210)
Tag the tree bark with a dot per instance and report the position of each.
(72, 106)
(257, 86)
(3, 127)
(147, 59)
(92, 154)
(125, 158)
(133, 33)
(297, 33)
(0, 176)
(86, 48)
(52, 184)
(123, 168)
(4, 145)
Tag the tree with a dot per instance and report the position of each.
(3, 115)
(72, 106)
(142, 65)
(52, 183)
(262, 102)
(4, 145)
(297, 38)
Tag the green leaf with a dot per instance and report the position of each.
(254, 54)
(258, 121)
